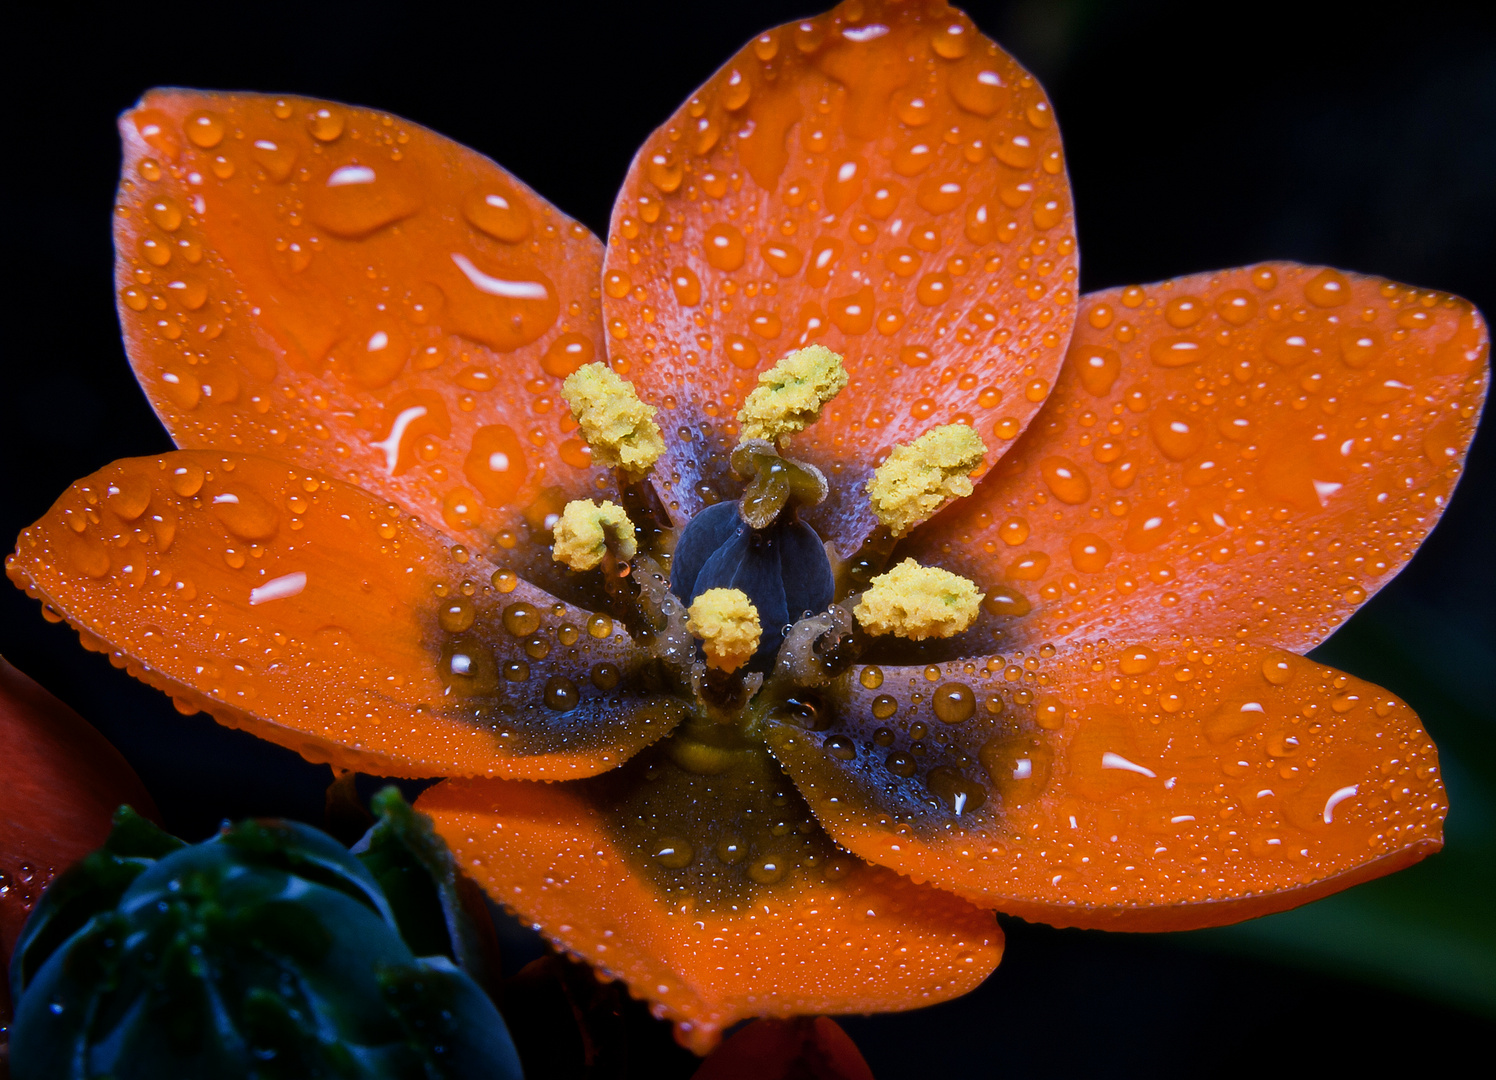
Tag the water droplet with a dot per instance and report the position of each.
(1328, 288)
(767, 869)
(1184, 311)
(186, 479)
(1236, 306)
(663, 171)
(1004, 600)
(741, 352)
(567, 353)
(166, 212)
(605, 676)
(456, 615)
(783, 259)
(1014, 531)
(1277, 670)
(724, 247)
(1173, 352)
(188, 291)
(736, 90)
(884, 706)
(951, 41)
(205, 129)
(521, 619)
(1137, 660)
(599, 625)
(128, 495)
(1029, 567)
(1019, 152)
(1177, 434)
(900, 764)
(961, 794)
(766, 324)
(326, 124)
(1099, 367)
(497, 211)
(934, 289)
(246, 514)
(977, 87)
(1089, 553)
(954, 703)
(467, 668)
(276, 158)
(872, 677)
(516, 671)
(155, 250)
(1065, 479)
(1049, 713)
(576, 453)
(1359, 346)
(496, 464)
(561, 695)
(357, 201)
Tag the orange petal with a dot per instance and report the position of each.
(1250, 453)
(882, 179)
(344, 290)
(806, 1048)
(60, 783)
(1158, 785)
(715, 897)
(317, 616)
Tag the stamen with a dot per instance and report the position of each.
(917, 602)
(586, 530)
(618, 427)
(791, 394)
(727, 623)
(922, 476)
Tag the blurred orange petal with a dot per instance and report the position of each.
(1141, 785)
(882, 179)
(60, 783)
(317, 616)
(344, 290)
(712, 894)
(805, 1048)
(1250, 453)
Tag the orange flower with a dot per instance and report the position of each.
(358, 332)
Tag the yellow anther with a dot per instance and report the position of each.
(791, 394)
(918, 602)
(585, 530)
(727, 623)
(922, 476)
(616, 424)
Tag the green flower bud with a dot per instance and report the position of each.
(267, 951)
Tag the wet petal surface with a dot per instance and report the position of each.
(347, 291)
(712, 893)
(881, 179)
(1249, 453)
(324, 619)
(1161, 785)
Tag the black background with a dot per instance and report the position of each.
(1198, 136)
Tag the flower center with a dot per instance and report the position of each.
(759, 547)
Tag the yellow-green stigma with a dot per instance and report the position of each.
(726, 622)
(618, 427)
(922, 476)
(791, 394)
(918, 602)
(585, 531)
